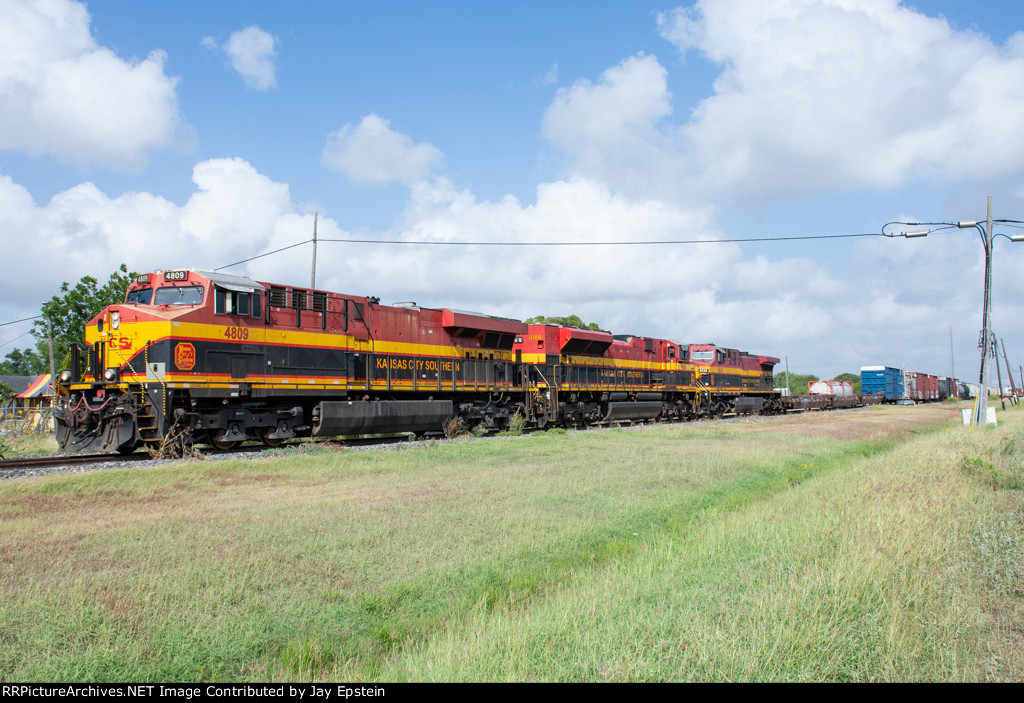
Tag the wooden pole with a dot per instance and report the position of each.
(312, 283)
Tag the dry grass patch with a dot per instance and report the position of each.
(872, 423)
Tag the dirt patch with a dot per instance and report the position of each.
(871, 424)
(54, 549)
(33, 504)
(220, 478)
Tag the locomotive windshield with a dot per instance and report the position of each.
(174, 295)
(140, 296)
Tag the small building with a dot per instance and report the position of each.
(18, 384)
(39, 393)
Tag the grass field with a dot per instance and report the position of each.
(16, 442)
(880, 544)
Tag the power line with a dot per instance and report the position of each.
(12, 341)
(14, 322)
(260, 256)
(657, 242)
(424, 242)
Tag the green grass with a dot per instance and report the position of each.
(845, 579)
(754, 551)
(20, 443)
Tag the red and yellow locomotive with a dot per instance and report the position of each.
(221, 359)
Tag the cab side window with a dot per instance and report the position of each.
(229, 302)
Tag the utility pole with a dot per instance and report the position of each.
(312, 282)
(1009, 372)
(952, 365)
(953, 391)
(985, 342)
(981, 414)
(1014, 398)
(999, 374)
(49, 344)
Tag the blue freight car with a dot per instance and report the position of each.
(882, 380)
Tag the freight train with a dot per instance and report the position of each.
(896, 386)
(221, 359)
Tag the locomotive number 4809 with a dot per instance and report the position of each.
(237, 333)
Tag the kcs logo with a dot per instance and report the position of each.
(184, 356)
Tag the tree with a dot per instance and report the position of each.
(23, 363)
(570, 321)
(852, 378)
(68, 313)
(798, 382)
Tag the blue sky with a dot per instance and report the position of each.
(168, 134)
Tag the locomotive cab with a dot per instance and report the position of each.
(118, 390)
(734, 381)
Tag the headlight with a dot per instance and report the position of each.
(115, 319)
(110, 375)
(65, 376)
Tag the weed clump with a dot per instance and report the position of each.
(454, 427)
(1001, 467)
(176, 444)
(516, 424)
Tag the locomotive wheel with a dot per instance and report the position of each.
(224, 444)
(127, 448)
(270, 442)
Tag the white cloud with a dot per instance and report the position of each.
(812, 96)
(823, 94)
(610, 130)
(372, 152)
(64, 96)
(234, 213)
(252, 52)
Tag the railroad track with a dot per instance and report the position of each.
(27, 463)
(45, 462)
